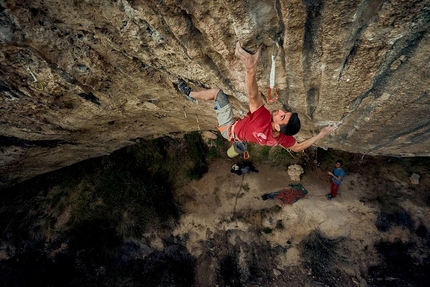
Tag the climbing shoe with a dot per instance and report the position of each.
(265, 196)
(185, 89)
(328, 195)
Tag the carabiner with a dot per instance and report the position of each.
(269, 99)
(22, 59)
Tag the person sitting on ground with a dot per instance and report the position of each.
(335, 178)
(259, 125)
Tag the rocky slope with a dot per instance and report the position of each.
(80, 79)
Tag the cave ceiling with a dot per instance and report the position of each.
(80, 79)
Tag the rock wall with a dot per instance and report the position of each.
(80, 79)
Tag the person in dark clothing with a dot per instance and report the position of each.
(243, 167)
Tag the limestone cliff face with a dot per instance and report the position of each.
(80, 79)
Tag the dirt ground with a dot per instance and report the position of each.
(224, 202)
(62, 229)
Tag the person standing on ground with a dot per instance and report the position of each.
(259, 125)
(336, 177)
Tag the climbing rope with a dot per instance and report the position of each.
(198, 125)
(272, 76)
(235, 201)
(39, 85)
(289, 151)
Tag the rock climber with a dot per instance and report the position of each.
(336, 177)
(260, 125)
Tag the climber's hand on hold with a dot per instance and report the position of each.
(249, 60)
(329, 129)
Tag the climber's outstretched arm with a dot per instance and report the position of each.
(307, 143)
(250, 63)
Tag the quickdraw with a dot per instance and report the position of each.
(39, 85)
(245, 154)
(272, 77)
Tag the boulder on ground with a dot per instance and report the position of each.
(295, 171)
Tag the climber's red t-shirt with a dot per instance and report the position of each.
(256, 127)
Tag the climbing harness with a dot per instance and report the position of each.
(272, 77)
(39, 85)
(238, 146)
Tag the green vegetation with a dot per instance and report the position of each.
(88, 212)
(265, 152)
(276, 155)
(197, 153)
(217, 148)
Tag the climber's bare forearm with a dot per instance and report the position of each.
(307, 143)
(250, 62)
(255, 99)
